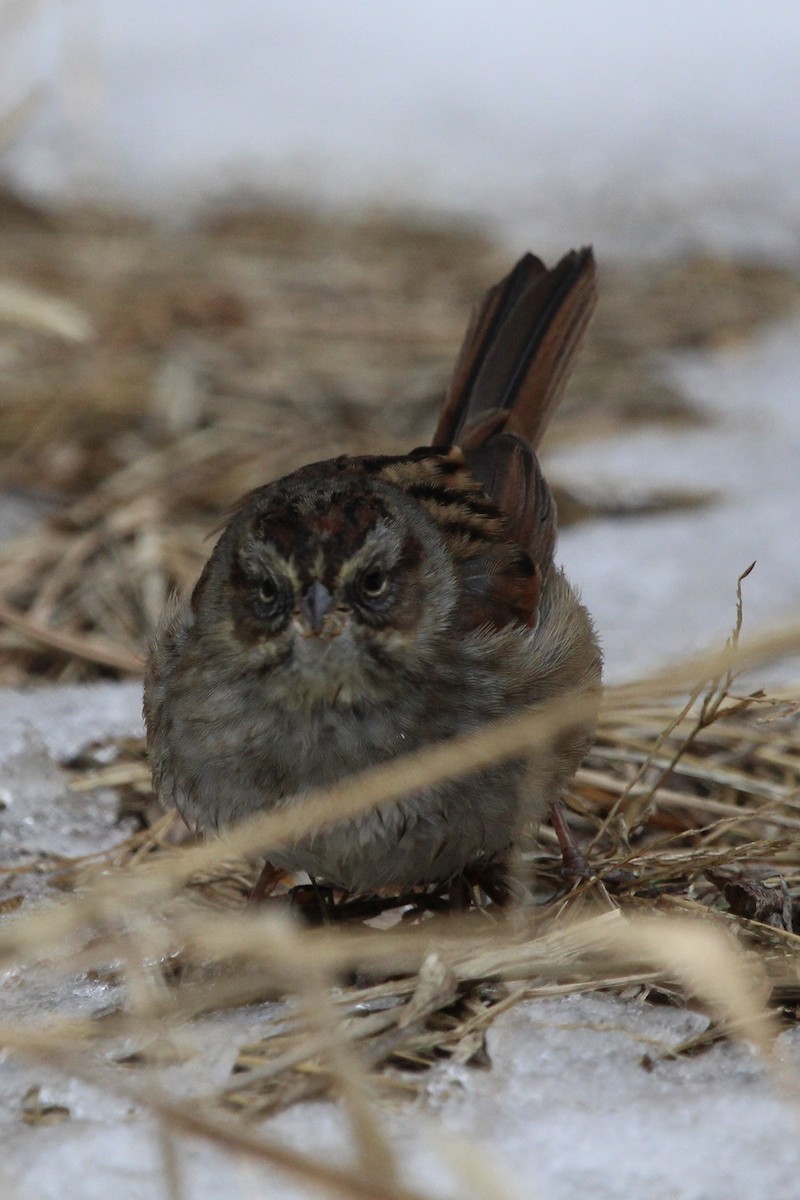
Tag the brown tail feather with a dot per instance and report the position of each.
(507, 383)
(518, 352)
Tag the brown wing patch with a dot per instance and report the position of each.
(501, 579)
(510, 472)
(500, 588)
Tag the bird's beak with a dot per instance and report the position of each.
(315, 604)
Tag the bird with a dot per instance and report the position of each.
(366, 607)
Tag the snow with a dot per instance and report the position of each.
(644, 128)
(38, 814)
(568, 1109)
(577, 1113)
(66, 718)
(663, 586)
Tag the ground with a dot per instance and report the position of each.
(170, 382)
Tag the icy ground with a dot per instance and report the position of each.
(568, 1109)
(578, 1101)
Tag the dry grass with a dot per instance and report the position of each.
(151, 377)
(691, 812)
(169, 375)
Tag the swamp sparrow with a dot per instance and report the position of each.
(365, 607)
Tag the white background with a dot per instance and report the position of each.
(638, 125)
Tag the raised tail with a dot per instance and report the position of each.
(518, 352)
(507, 382)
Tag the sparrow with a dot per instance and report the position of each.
(366, 607)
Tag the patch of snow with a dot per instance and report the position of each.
(39, 814)
(571, 1110)
(567, 1110)
(65, 719)
(644, 128)
(663, 586)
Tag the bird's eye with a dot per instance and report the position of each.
(374, 582)
(268, 591)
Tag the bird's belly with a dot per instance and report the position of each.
(265, 756)
(426, 837)
(260, 756)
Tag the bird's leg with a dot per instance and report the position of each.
(491, 877)
(574, 864)
(265, 884)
